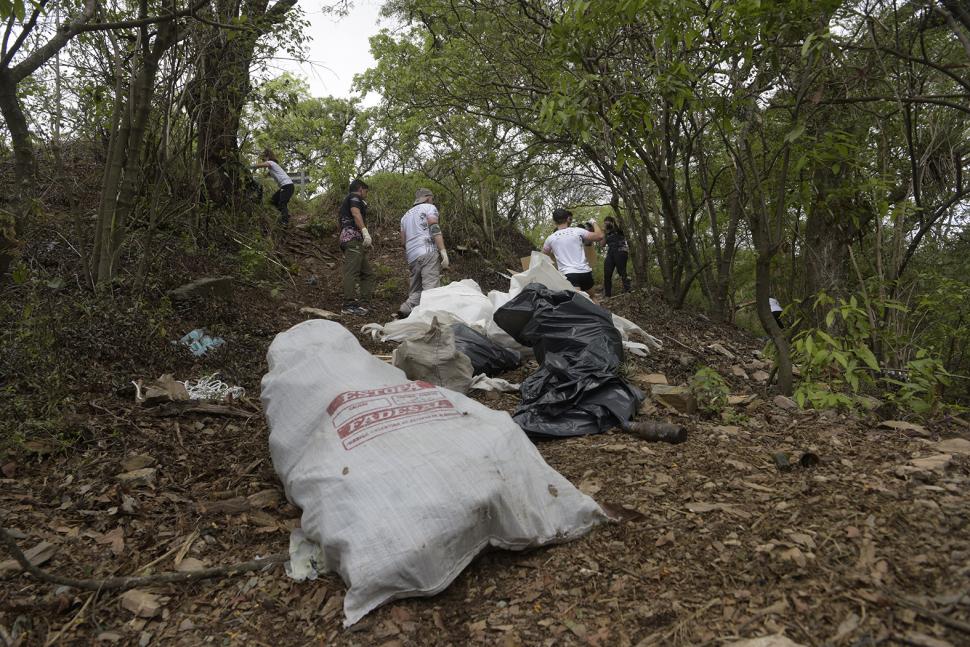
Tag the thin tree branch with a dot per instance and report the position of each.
(27, 28)
(140, 22)
(125, 583)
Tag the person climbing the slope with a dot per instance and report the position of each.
(283, 194)
(617, 254)
(565, 245)
(424, 248)
(355, 241)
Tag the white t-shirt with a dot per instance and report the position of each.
(567, 246)
(278, 174)
(774, 305)
(415, 226)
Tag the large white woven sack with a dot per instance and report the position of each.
(402, 483)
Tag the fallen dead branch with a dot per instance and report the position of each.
(196, 406)
(131, 582)
(943, 619)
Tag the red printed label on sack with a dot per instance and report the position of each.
(360, 416)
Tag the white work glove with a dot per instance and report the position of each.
(444, 260)
(591, 222)
(367, 239)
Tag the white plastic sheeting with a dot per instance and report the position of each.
(463, 301)
(401, 483)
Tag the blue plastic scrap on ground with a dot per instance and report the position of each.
(200, 343)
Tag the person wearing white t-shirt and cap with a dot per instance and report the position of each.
(424, 248)
(776, 310)
(566, 246)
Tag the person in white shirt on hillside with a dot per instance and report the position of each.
(283, 181)
(566, 246)
(424, 248)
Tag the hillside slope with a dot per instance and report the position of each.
(867, 546)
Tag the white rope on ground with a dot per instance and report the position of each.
(210, 388)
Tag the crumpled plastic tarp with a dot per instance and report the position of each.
(577, 389)
(463, 302)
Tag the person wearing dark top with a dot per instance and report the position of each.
(355, 241)
(617, 253)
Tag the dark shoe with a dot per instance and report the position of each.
(354, 309)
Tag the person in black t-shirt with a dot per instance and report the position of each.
(355, 241)
(617, 254)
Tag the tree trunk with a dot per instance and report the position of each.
(222, 85)
(123, 171)
(12, 225)
(762, 285)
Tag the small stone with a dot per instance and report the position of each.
(109, 636)
(678, 397)
(653, 378)
(760, 376)
(205, 288)
(737, 371)
(935, 463)
(190, 564)
(784, 402)
(134, 478)
(186, 625)
(137, 462)
(718, 348)
(141, 603)
(953, 446)
(908, 428)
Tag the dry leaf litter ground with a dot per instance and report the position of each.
(868, 547)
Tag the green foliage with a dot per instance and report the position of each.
(254, 260)
(837, 363)
(710, 390)
(14, 9)
(922, 388)
(323, 225)
(329, 138)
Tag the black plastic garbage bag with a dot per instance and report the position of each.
(487, 357)
(577, 389)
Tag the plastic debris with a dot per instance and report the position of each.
(463, 302)
(483, 382)
(211, 388)
(200, 343)
(577, 389)
(486, 356)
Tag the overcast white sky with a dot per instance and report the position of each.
(338, 48)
